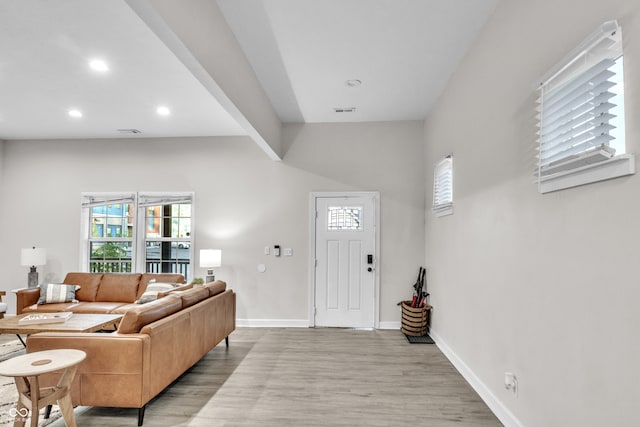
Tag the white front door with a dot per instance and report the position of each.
(345, 261)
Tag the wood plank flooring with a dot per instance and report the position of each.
(311, 377)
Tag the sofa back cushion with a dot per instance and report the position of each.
(118, 287)
(158, 277)
(216, 287)
(192, 296)
(135, 318)
(88, 282)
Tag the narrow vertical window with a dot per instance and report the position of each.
(443, 187)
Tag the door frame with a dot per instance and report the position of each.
(313, 196)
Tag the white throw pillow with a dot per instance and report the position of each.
(151, 293)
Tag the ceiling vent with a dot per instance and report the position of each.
(345, 110)
(129, 131)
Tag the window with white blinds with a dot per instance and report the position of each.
(581, 115)
(443, 187)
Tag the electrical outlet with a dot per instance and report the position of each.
(511, 382)
(287, 252)
(267, 250)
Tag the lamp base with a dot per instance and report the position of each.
(210, 277)
(32, 278)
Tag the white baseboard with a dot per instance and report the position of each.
(390, 325)
(295, 323)
(505, 416)
(273, 323)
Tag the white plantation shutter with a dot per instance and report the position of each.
(580, 106)
(575, 117)
(443, 187)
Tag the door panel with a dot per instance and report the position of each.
(344, 288)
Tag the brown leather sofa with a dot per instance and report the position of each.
(155, 343)
(98, 292)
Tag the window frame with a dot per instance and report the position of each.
(589, 165)
(139, 200)
(147, 199)
(90, 200)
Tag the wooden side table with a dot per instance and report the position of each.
(25, 370)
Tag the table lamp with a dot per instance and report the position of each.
(33, 257)
(210, 258)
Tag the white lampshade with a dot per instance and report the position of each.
(33, 256)
(210, 258)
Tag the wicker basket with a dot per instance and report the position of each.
(415, 321)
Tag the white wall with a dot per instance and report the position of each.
(244, 201)
(544, 286)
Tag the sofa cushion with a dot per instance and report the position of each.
(88, 283)
(158, 277)
(118, 287)
(134, 319)
(216, 287)
(50, 308)
(53, 293)
(101, 307)
(153, 288)
(192, 296)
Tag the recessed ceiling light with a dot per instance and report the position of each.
(353, 83)
(75, 113)
(163, 111)
(99, 65)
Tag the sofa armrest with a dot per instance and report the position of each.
(115, 372)
(26, 298)
(105, 351)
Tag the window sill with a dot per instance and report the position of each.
(615, 167)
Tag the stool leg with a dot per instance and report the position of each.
(22, 412)
(66, 407)
(35, 398)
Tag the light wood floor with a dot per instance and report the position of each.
(311, 377)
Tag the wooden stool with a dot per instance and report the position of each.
(25, 370)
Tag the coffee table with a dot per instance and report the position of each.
(79, 322)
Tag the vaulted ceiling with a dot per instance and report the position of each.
(205, 61)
